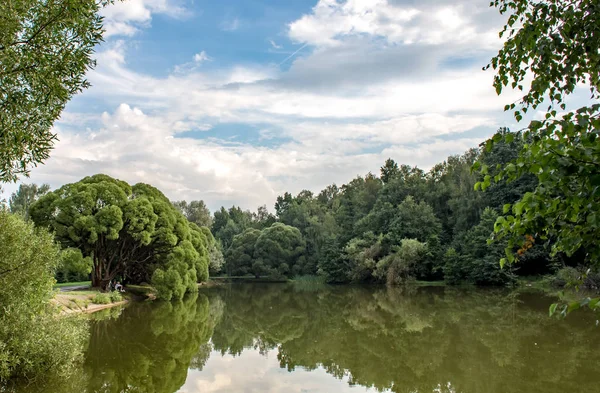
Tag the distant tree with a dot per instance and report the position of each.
(389, 170)
(45, 51)
(279, 251)
(332, 264)
(262, 218)
(363, 253)
(23, 198)
(196, 212)
(133, 232)
(479, 259)
(413, 221)
(399, 267)
(240, 255)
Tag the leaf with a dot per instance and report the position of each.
(552, 309)
(573, 306)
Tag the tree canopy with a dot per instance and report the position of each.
(558, 44)
(133, 232)
(45, 50)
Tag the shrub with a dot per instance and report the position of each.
(101, 298)
(566, 276)
(33, 341)
(115, 297)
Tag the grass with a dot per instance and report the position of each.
(73, 284)
(419, 283)
(141, 290)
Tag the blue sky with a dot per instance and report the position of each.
(236, 102)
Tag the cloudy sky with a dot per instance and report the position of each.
(237, 101)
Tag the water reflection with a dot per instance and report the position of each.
(283, 338)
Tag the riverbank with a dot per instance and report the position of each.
(88, 301)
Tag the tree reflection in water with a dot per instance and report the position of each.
(444, 340)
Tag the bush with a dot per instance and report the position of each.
(566, 276)
(115, 297)
(33, 341)
(102, 298)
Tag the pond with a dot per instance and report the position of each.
(294, 338)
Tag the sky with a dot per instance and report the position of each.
(238, 101)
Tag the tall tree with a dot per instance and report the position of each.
(45, 50)
(195, 211)
(25, 196)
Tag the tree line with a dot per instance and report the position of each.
(402, 224)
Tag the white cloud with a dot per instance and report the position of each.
(201, 57)
(374, 84)
(406, 22)
(125, 18)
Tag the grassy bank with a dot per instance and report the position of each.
(74, 284)
(87, 301)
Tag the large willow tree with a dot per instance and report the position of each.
(128, 231)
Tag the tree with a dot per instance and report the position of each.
(557, 44)
(23, 198)
(45, 50)
(133, 232)
(413, 221)
(34, 341)
(479, 259)
(399, 267)
(240, 255)
(195, 211)
(279, 250)
(389, 170)
(216, 261)
(73, 266)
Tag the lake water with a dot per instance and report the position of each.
(292, 338)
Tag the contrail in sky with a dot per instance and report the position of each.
(293, 54)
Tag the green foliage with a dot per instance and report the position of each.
(557, 44)
(34, 342)
(115, 296)
(73, 266)
(131, 232)
(480, 258)
(363, 254)
(240, 256)
(45, 50)
(21, 200)
(195, 211)
(399, 267)
(279, 251)
(102, 298)
(413, 221)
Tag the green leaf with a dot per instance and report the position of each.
(573, 306)
(552, 309)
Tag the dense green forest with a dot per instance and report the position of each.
(401, 224)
